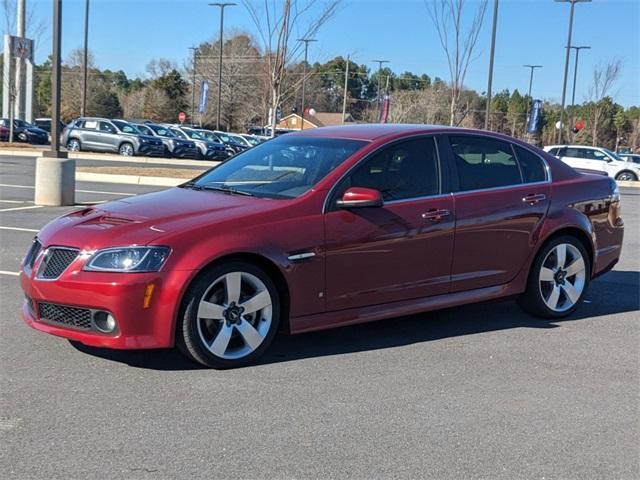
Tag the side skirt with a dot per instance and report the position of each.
(353, 316)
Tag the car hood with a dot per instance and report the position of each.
(36, 130)
(149, 218)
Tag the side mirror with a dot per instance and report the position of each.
(359, 197)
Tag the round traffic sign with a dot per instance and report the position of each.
(182, 117)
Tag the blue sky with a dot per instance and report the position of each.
(127, 34)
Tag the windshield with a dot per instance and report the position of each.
(163, 132)
(209, 136)
(194, 134)
(252, 141)
(144, 129)
(615, 156)
(224, 137)
(125, 127)
(283, 168)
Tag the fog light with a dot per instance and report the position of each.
(104, 322)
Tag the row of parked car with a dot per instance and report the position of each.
(623, 167)
(137, 138)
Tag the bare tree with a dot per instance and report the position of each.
(604, 77)
(458, 39)
(279, 26)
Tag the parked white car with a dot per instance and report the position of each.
(596, 158)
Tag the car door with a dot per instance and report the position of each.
(501, 198)
(577, 157)
(109, 137)
(401, 250)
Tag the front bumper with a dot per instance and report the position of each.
(150, 150)
(218, 154)
(122, 295)
(185, 152)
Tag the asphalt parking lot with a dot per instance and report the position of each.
(482, 391)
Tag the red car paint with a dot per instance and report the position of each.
(402, 258)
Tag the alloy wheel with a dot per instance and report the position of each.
(126, 150)
(562, 277)
(626, 177)
(73, 146)
(234, 315)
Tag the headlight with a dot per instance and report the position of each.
(128, 259)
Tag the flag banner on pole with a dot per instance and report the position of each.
(204, 95)
(535, 117)
(384, 109)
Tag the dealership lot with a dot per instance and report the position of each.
(480, 391)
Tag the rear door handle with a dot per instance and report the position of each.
(534, 198)
(436, 214)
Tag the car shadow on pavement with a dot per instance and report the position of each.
(616, 292)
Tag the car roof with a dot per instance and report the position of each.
(376, 131)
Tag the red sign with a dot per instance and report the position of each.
(580, 125)
(182, 117)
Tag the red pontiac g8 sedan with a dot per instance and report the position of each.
(322, 228)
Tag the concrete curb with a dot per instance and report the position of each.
(107, 157)
(629, 184)
(129, 179)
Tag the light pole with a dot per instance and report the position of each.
(566, 63)
(532, 67)
(222, 6)
(193, 86)
(306, 42)
(493, 50)
(575, 72)
(379, 62)
(83, 106)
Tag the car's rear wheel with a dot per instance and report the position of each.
(73, 145)
(230, 316)
(558, 279)
(627, 177)
(126, 149)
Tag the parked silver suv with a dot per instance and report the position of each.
(104, 135)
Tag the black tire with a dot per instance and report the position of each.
(188, 338)
(627, 176)
(70, 144)
(532, 300)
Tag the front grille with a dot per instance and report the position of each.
(32, 254)
(55, 261)
(79, 318)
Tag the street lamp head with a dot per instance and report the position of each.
(533, 66)
(307, 40)
(222, 4)
(572, 1)
(582, 47)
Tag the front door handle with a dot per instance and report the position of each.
(436, 214)
(534, 198)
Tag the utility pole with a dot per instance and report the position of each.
(379, 62)
(222, 7)
(306, 42)
(193, 86)
(346, 85)
(85, 60)
(491, 56)
(55, 182)
(566, 64)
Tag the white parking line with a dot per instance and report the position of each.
(14, 201)
(81, 191)
(13, 274)
(19, 208)
(18, 229)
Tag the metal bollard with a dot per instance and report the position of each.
(55, 181)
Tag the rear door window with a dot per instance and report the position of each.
(484, 163)
(532, 166)
(90, 124)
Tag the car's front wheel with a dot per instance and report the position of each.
(627, 177)
(229, 316)
(126, 149)
(558, 279)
